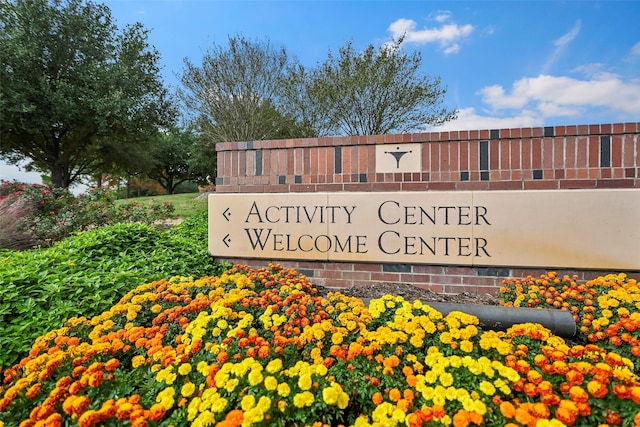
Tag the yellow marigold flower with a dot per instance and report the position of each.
(255, 377)
(166, 397)
(284, 389)
(184, 369)
(270, 383)
(479, 407)
(274, 366)
(416, 341)
(445, 338)
(264, 403)
(219, 404)
(305, 382)
(171, 378)
(156, 308)
(466, 346)
(188, 389)
(248, 402)
(451, 393)
(487, 388)
(203, 368)
(446, 379)
(137, 361)
(330, 395)
(231, 385)
(319, 369)
(192, 409)
(282, 405)
(300, 400)
(336, 338)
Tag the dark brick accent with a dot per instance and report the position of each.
(464, 176)
(549, 131)
(484, 176)
(297, 179)
(337, 159)
(282, 179)
(494, 134)
(537, 174)
(605, 151)
(219, 181)
(249, 145)
(258, 162)
(494, 272)
(396, 268)
(363, 177)
(484, 155)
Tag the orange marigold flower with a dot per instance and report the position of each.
(33, 391)
(613, 417)
(507, 409)
(95, 379)
(111, 365)
(597, 389)
(578, 394)
(567, 412)
(621, 391)
(377, 398)
(394, 395)
(156, 412)
(438, 411)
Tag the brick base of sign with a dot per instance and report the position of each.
(561, 158)
(437, 278)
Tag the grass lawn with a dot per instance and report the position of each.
(185, 204)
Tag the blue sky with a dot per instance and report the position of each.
(504, 63)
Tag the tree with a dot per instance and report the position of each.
(78, 96)
(179, 156)
(376, 91)
(234, 94)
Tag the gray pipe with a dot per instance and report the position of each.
(499, 318)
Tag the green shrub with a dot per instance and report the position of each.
(40, 215)
(88, 272)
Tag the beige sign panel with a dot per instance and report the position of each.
(550, 229)
(392, 158)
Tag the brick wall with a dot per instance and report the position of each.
(559, 157)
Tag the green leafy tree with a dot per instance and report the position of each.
(235, 93)
(78, 95)
(180, 156)
(376, 91)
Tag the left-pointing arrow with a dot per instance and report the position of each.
(226, 240)
(226, 214)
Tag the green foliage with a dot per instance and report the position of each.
(372, 92)
(180, 156)
(49, 214)
(235, 94)
(184, 205)
(88, 272)
(78, 95)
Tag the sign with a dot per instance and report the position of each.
(552, 229)
(392, 158)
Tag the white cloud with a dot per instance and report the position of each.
(441, 16)
(561, 43)
(469, 119)
(454, 48)
(568, 37)
(551, 95)
(447, 35)
(634, 52)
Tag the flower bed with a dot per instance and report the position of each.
(262, 348)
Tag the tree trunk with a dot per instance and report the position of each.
(57, 176)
